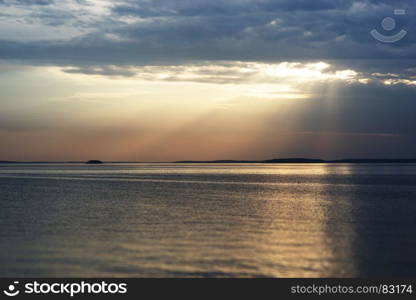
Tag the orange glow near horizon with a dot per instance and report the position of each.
(167, 113)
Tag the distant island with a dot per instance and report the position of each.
(94, 162)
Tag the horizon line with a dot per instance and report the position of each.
(273, 160)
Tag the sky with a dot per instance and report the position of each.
(166, 80)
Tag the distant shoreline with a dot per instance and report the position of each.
(269, 161)
(308, 161)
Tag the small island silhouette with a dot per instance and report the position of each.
(94, 162)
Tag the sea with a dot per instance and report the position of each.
(208, 220)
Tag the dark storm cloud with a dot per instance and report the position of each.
(285, 28)
(177, 31)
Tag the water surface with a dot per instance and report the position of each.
(232, 220)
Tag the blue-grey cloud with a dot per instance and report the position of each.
(27, 2)
(140, 32)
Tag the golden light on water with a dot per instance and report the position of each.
(304, 234)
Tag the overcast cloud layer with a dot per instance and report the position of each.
(132, 32)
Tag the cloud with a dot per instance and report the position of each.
(101, 70)
(29, 22)
(219, 7)
(113, 38)
(26, 2)
(225, 72)
(127, 32)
